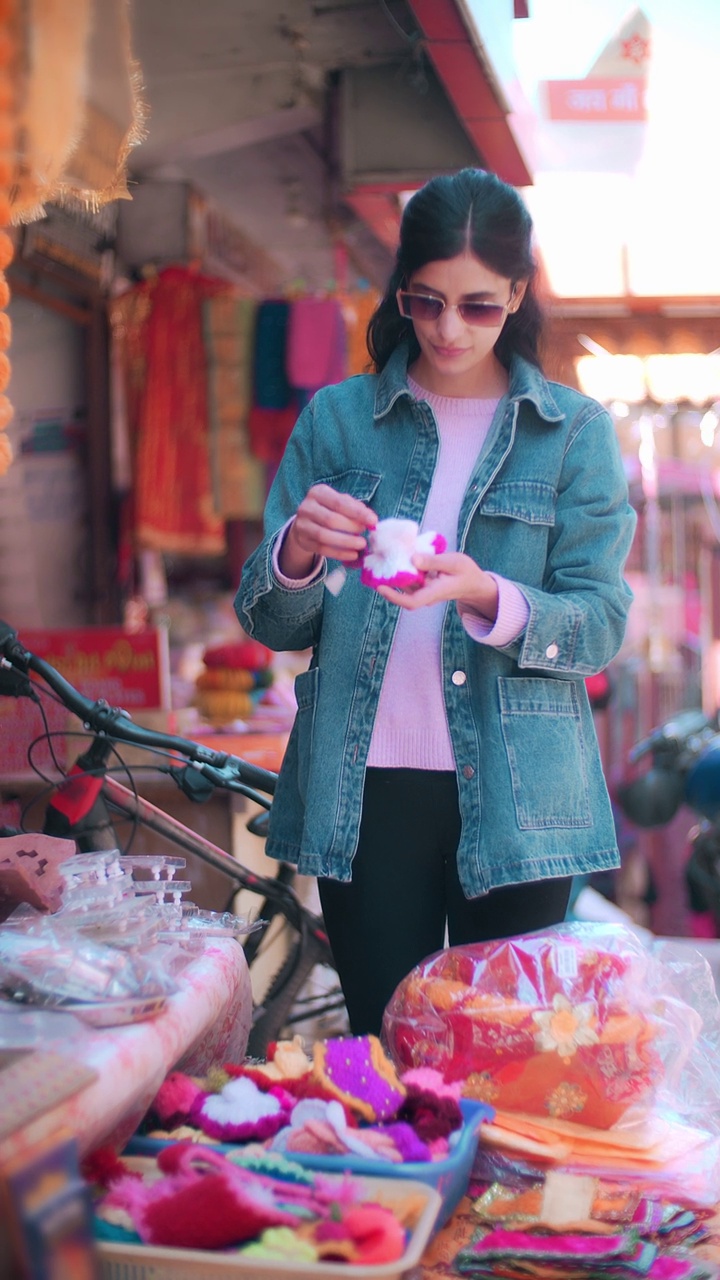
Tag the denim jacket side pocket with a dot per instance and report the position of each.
(541, 724)
(306, 691)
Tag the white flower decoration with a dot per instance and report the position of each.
(565, 1027)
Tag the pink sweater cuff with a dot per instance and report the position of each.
(512, 616)
(293, 582)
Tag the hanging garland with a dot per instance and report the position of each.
(8, 152)
(56, 145)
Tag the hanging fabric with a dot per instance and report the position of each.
(316, 343)
(358, 306)
(237, 477)
(174, 509)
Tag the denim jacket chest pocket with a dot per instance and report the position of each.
(356, 481)
(530, 501)
(510, 529)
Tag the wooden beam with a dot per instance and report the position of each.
(104, 600)
(22, 289)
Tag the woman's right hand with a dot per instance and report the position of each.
(327, 523)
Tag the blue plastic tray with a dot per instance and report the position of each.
(450, 1176)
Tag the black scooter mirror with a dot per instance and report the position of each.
(652, 799)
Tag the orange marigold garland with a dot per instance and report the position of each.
(8, 169)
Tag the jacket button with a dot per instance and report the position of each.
(552, 651)
(468, 771)
(458, 677)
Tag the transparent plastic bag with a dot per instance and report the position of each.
(580, 1022)
(48, 963)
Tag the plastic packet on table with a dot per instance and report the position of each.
(162, 890)
(126, 923)
(171, 954)
(681, 1165)
(47, 965)
(219, 924)
(90, 868)
(579, 1022)
(132, 931)
(85, 895)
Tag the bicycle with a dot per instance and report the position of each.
(81, 803)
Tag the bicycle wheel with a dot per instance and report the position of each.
(286, 1005)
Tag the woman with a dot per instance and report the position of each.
(443, 770)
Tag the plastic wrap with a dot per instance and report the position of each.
(579, 1022)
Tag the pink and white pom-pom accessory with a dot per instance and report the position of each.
(387, 562)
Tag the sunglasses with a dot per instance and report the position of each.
(423, 306)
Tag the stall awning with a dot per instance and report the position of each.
(480, 132)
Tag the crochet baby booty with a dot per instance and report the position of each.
(241, 1112)
(387, 561)
(356, 1071)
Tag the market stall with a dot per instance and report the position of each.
(537, 1105)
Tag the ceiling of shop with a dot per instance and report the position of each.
(236, 93)
(236, 97)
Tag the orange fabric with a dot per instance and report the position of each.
(358, 307)
(174, 510)
(543, 1025)
(652, 1144)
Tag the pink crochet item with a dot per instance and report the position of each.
(210, 1206)
(241, 1112)
(428, 1080)
(387, 561)
(174, 1099)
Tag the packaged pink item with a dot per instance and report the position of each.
(387, 562)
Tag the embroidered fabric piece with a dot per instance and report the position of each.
(562, 1024)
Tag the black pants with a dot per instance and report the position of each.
(405, 889)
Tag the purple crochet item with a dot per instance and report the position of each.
(357, 1071)
(411, 1147)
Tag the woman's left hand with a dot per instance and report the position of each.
(450, 576)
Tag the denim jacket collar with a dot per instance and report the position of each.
(526, 383)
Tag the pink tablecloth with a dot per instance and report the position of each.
(207, 1021)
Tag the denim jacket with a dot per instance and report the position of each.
(547, 507)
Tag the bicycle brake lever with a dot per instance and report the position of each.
(15, 684)
(258, 825)
(192, 783)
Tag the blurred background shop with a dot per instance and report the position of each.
(162, 345)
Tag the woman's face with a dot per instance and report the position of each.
(457, 357)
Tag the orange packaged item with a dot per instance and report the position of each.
(565, 1023)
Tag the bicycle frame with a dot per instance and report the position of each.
(133, 806)
(205, 770)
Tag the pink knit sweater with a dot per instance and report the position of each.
(411, 729)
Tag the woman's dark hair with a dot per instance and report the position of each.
(470, 210)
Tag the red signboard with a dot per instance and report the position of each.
(595, 100)
(129, 670)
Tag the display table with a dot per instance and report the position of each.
(207, 1021)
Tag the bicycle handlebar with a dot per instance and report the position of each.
(221, 768)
